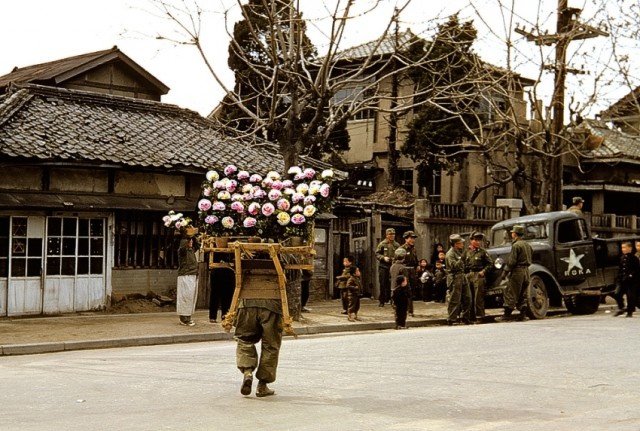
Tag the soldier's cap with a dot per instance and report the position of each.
(577, 200)
(518, 229)
(400, 253)
(455, 238)
(409, 233)
(477, 235)
(390, 231)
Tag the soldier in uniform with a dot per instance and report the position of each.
(460, 296)
(578, 202)
(258, 320)
(628, 280)
(477, 263)
(515, 295)
(384, 254)
(411, 262)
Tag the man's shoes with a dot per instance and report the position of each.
(618, 313)
(247, 381)
(305, 310)
(212, 320)
(504, 318)
(629, 315)
(188, 323)
(343, 312)
(263, 390)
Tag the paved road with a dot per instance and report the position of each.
(569, 373)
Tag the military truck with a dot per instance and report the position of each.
(569, 265)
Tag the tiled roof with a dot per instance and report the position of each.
(55, 72)
(54, 124)
(378, 47)
(616, 144)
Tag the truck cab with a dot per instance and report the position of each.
(568, 265)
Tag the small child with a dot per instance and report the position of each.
(440, 282)
(342, 279)
(354, 286)
(400, 296)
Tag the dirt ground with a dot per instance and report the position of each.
(140, 305)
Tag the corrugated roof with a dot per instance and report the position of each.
(54, 124)
(55, 72)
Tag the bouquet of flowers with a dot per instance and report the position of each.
(178, 221)
(270, 206)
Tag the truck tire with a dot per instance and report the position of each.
(582, 304)
(538, 298)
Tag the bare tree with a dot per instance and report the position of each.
(298, 95)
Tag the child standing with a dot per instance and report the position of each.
(342, 279)
(628, 280)
(354, 287)
(400, 296)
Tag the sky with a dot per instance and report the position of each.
(37, 31)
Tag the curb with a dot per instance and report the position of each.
(37, 348)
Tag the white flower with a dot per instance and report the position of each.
(212, 176)
(327, 173)
(294, 170)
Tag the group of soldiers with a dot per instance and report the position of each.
(467, 270)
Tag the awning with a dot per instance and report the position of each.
(86, 202)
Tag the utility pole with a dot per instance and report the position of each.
(393, 115)
(567, 29)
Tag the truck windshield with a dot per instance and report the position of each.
(533, 231)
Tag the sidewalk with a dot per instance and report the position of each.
(20, 336)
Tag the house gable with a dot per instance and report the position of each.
(108, 71)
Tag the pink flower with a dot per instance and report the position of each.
(298, 219)
(249, 222)
(211, 219)
(218, 206)
(284, 205)
(309, 173)
(277, 185)
(255, 178)
(288, 184)
(324, 190)
(232, 185)
(237, 206)
(266, 183)
(296, 209)
(254, 208)
(274, 194)
(247, 197)
(297, 197)
(268, 209)
(227, 222)
(204, 204)
(236, 197)
(230, 170)
(218, 184)
(243, 175)
(308, 200)
(259, 194)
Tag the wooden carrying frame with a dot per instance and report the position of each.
(260, 272)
